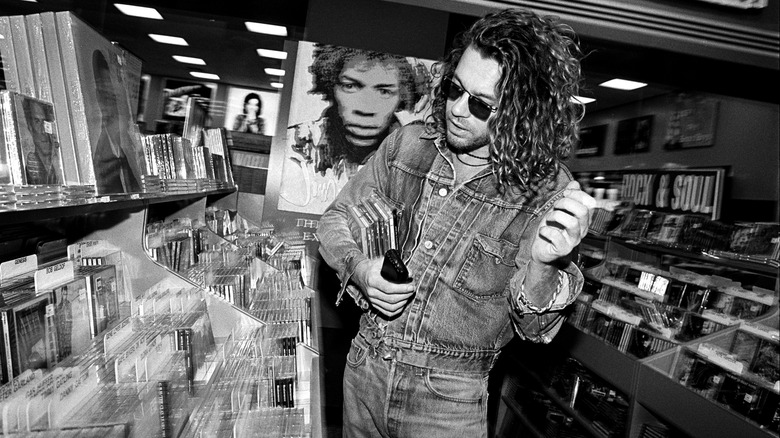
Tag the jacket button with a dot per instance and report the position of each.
(442, 192)
(428, 244)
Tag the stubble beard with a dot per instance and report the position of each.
(466, 143)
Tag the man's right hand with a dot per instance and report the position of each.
(387, 297)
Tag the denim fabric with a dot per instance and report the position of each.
(384, 397)
(467, 248)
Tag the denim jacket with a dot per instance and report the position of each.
(467, 248)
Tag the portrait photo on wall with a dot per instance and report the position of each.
(344, 102)
(175, 95)
(591, 142)
(692, 122)
(633, 135)
(251, 111)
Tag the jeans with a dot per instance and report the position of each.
(384, 397)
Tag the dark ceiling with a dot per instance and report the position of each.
(216, 33)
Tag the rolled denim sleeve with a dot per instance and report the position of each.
(337, 244)
(540, 294)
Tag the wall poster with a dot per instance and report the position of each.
(591, 142)
(692, 122)
(343, 103)
(633, 135)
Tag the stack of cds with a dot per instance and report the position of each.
(78, 194)
(37, 196)
(178, 185)
(7, 198)
(151, 184)
(23, 197)
(205, 185)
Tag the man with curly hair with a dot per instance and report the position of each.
(365, 89)
(490, 219)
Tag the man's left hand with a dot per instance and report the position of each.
(564, 226)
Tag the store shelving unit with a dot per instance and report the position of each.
(122, 223)
(656, 399)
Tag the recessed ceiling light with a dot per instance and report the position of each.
(167, 39)
(201, 75)
(582, 100)
(623, 84)
(275, 54)
(139, 11)
(189, 60)
(274, 71)
(277, 84)
(268, 29)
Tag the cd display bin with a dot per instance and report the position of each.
(689, 341)
(187, 357)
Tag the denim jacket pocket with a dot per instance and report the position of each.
(464, 388)
(357, 353)
(488, 266)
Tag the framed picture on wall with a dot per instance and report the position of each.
(633, 135)
(251, 111)
(591, 142)
(692, 122)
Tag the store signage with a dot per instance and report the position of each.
(17, 267)
(682, 191)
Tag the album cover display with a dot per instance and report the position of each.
(110, 153)
(21, 46)
(31, 143)
(29, 339)
(59, 98)
(72, 316)
(102, 296)
(7, 56)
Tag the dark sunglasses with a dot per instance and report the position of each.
(477, 106)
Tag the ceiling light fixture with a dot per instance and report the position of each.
(167, 39)
(139, 11)
(623, 84)
(189, 60)
(201, 75)
(277, 84)
(268, 29)
(274, 71)
(582, 100)
(275, 54)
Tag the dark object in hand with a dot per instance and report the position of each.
(393, 268)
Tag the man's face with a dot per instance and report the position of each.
(477, 75)
(38, 128)
(367, 95)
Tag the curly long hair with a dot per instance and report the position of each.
(329, 62)
(537, 121)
